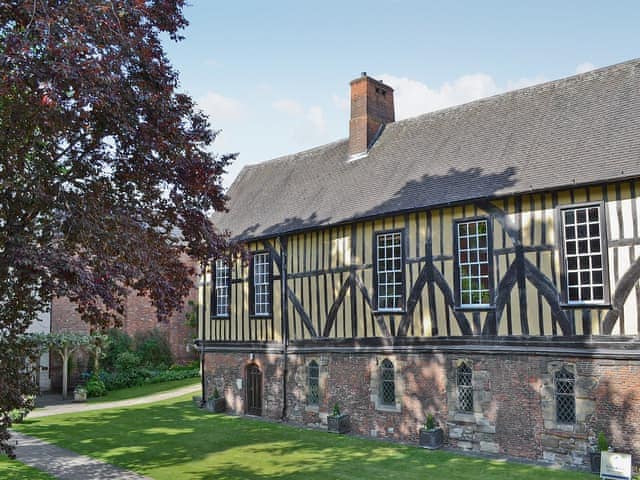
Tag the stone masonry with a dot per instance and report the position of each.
(513, 399)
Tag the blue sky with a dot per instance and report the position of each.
(274, 76)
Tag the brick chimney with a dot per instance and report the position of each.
(371, 109)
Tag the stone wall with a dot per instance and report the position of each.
(513, 399)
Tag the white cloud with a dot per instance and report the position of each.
(221, 108)
(341, 102)
(309, 126)
(585, 67)
(288, 106)
(413, 97)
(316, 116)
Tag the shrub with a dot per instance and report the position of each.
(127, 361)
(95, 387)
(119, 342)
(153, 348)
(169, 375)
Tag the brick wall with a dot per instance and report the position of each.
(140, 316)
(514, 408)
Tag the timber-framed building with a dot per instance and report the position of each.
(480, 263)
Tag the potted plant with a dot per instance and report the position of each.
(338, 422)
(596, 456)
(216, 403)
(80, 394)
(431, 436)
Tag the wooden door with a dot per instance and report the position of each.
(254, 390)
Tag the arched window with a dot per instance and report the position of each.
(313, 383)
(564, 382)
(464, 378)
(387, 383)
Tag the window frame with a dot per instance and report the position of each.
(313, 363)
(565, 375)
(403, 253)
(252, 285)
(214, 296)
(456, 266)
(382, 369)
(604, 251)
(469, 388)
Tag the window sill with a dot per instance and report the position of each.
(220, 317)
(389, 312)
(601, 306)
(479, 308)
(260, 317)
(389, 408)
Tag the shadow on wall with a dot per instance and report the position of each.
(618, 410)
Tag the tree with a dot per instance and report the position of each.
(65, 344)
(107, 177)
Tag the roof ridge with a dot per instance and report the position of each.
(295, 154)
(523, 90)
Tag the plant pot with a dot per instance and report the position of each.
(596, 458)
(80, 395)
(338, 424)
(217, 405)
(431, 439)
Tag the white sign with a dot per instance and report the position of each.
(615, 466)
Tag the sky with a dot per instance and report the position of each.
(274, 76)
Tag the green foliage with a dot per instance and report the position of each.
(127, 361)
(603, 443)
(187, 366)
(119, 342)
(169, 375)
(336, 410)
(430, 422)
(95, 387)
(216, 393)
(153, 348)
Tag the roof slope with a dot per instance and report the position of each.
(578, 130)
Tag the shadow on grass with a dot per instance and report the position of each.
(174, 439)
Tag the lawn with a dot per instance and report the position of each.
(173, 439)
(146, 389)
(14, 470)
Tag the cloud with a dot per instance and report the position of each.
(413, 97)
(219, 107)
(290, 107)
(341, 102)
(315, 115)
(585, 67)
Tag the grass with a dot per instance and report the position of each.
(14, 470)
(173, 439)
(142, 390)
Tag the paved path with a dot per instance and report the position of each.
(47, 410)
(65, 464)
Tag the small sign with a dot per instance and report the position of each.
(615, 466)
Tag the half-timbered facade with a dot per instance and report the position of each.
(480, 263)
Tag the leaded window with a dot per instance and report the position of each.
(313, 383)
(261, 284)
(389, 271)
(583, 254)
(565, 396)
(221, 288)
(473, 263)
(387, 383)
(464, 377)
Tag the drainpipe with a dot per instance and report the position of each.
(203, 400)
(285, 321)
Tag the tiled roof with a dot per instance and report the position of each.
(578, 130)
